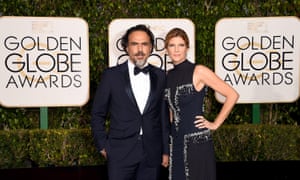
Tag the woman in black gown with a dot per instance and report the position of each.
(192, 153)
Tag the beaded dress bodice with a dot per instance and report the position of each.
(183, 99)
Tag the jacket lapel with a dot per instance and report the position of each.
(128, 89)
(153, 86)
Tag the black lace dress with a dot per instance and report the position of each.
(192, 152)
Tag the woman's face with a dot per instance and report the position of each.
(177, 50)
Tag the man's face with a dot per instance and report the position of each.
(139, 47)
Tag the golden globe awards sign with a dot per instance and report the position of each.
(259, 57)
(44, 61)
(159, 27)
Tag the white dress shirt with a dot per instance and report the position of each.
(140, 85)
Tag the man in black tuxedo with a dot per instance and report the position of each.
(131, 95)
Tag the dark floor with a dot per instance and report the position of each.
(269, 170)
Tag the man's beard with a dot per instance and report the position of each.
(140, 63)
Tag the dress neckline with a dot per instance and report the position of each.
(182, 65)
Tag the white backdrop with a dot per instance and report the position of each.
(159, 27)
(259, 57)
(44, 61)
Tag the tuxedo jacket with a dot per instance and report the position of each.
(114, 101)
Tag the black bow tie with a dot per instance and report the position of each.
(137, 70)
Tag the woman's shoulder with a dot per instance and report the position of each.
(202, 68)
(203, 73)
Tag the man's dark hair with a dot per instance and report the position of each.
(140, 27)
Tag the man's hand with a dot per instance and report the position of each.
(165, 160)
(103, 153)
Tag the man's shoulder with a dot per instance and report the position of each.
(157, 69)
(115, 68)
